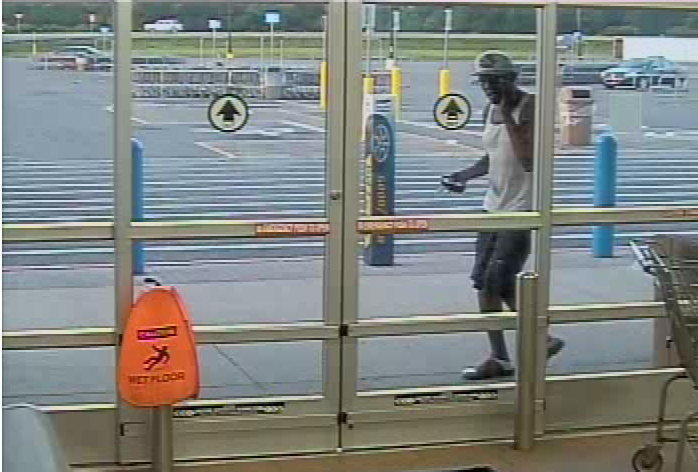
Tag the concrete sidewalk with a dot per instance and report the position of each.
(291, 291)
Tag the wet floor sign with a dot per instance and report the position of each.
(158, 362)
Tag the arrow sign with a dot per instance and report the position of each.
(452, 111)
(228, 113)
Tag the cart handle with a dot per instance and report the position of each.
(644, 256)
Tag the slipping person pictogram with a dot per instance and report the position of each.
(162, 357)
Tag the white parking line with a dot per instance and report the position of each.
(304, 126)
(110, 109)
(212, 148)
(432, 126)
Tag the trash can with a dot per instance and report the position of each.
(274, 83)
(576, 116)
(80, 63)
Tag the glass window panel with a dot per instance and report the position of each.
(431, 64)
(640, 91)
(243, 280)
(59, 376)
(57, 285)
(431, 275)
(419, 361)
(273, 166)
(257, 370)
(578, 277)
(57, 148)
(611, 346)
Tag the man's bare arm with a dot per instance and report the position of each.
(478, 169)
(522, 133)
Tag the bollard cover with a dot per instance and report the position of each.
(158, 362)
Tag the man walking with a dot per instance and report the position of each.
(508, 163)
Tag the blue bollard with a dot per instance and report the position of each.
(605, 166)
(137, 203)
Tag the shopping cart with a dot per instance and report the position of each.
(673, 261)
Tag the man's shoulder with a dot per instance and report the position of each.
(528, 106)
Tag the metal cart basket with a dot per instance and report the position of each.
(673, 261)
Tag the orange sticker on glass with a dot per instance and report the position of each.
(292, 229)
(393, 226)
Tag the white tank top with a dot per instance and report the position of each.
(510, 185)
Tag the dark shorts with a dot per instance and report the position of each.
(499, 257)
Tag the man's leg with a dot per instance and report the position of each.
(506, 256)
(488, 300)
(492, 303)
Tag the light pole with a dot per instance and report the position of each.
(578, 34)
(324, 37)
(396, 28)
(214, 25)
(272, 17)
(18, 17)
(229, 54)
(448, 26)
(445, 73)
(579, 19)
(370, 25)
(92, 20)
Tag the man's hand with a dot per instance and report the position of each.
(453, 183)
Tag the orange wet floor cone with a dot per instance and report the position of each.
(158, 362)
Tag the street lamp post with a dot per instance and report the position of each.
(395, 29)
(18, 17)
(324, 37)
(229, 54)
(93, 19)
(448, 26)
(578, 34)
(214, 25)
(579, 19)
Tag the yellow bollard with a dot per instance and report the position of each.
(369, 82)
(323, 85)
(444, 82)
(396, 85)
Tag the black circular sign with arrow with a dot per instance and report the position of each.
(228, 113)
(452, 111)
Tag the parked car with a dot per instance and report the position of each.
(643, 73)
(85, 51)
(164, 25)
(578, 73)
(584, 73)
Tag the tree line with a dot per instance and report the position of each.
(46, 17)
